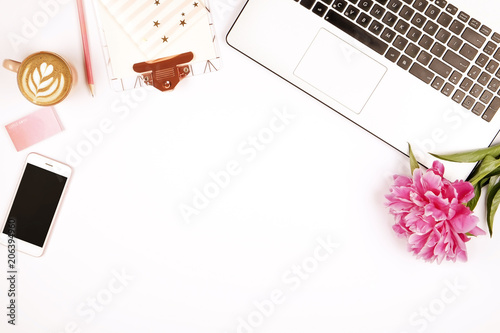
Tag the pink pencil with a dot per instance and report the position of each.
(83, 29)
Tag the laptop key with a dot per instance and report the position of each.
(490, 47)
(451, 9)
(441, 3)
(426, 42)
(481, 60)
(400, 43)
(444, 19)
(424, 58)
(356, 32)
(422, 73)
(389, 19)
(412, 50)
(339, 5)
(492, 109)
(437, 83)
(404, 62)
(473, 37)
(320, 9)
(466, 84)
(394, 5)
(376, 27)
(388, 35)
(402, 26)
(443, 35)
(438, 49)
(363, 20)
(468, 51)
(418, 20)
(494, 85)
(484, 78)
(440, 67)
(455, 43)
(328, 2)
(406, 13)
(377, 11)
(351, 12)
(392, 54)
(458, 96)
(455, 77)
(447, 89)
(476, 90)
(464, 17)
(432, 12)
(430, 28)
(492, 66)
(478, 109)
(420, 5)
(414, 34)
(456, 61)
(497, 55)
(468, 102)
(307, 3)
(474, 23)
(486, 97)
(456, 27)
(485, 30)
(383, 2)
(496, 37)
(474, 72)
(365, 5)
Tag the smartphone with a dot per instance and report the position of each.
(35, 204)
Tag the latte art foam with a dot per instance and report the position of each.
(44, 78)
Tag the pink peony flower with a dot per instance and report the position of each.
(430, 213)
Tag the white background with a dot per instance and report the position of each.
(320, 178)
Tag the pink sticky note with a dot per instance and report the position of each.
(33, 128)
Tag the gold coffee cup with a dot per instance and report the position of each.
(44, 78)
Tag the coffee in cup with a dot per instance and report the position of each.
(44, 78)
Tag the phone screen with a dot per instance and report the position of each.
(35, 204)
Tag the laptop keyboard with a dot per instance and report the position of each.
(432, 40)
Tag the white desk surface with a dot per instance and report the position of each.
(251, 260)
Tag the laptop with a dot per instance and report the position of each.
(424, 72)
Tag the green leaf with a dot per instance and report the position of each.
(477, 194)
(492, 181)
(489, 166)
(492, 203)
(471, 156)
(413, 161)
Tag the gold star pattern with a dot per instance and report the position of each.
(195, 4)
(156, 24)
(183, 23)
(165, 39)
(183, 14)
(157, 2)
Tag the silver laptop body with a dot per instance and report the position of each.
(350, 55)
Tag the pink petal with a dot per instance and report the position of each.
(402, 180)
(438, 208)
(432, 182)
(477, 232)
(463, 221)
(438, 168)
(465, 191)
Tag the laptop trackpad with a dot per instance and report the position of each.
(340, 71)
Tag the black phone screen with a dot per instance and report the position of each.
(35, 204)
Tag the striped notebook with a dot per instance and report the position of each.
(139, 31)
